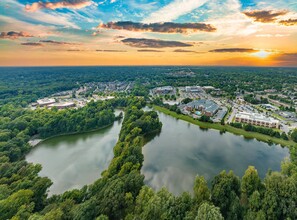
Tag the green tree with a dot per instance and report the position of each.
(225, 194)
(294, 135)
(11, 205)
(250, 181)
(208, 212)
(201, 191)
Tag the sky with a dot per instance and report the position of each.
(148, 32)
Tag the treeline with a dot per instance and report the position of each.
(18, 125)
(253, 100)
(284, 100)
(37, 82)
(286, 108)
(294, 135)
(267, 131)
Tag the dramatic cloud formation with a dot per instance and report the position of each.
(234, 50)
(58, 42)
(167, 27)
(148, 51)
(14, 35)
(32, 44)
(264, 16)
(72, 4)
(153, 43)
(289, 22)
(151, 32)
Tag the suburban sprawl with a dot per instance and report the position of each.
(198, 101)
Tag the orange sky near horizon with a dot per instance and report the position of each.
(171, 32)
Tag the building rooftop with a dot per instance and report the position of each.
(208, 105)
(45, 101)
(165, 88)
(193, 88)
(256, 116)
(62, 104)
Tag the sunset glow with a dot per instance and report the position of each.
(262, 54)
(146, 32)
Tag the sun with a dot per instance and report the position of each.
(262, 54)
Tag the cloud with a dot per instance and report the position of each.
(119, 51)
(272, 35)
(72, 4)
(153, 43)
(264, 16)
(227, 17)
(174, 10)
(289, 22)
(148, 51)
(118, 37)
(184, 51)
(14, 35)
(166, 27)
(287, 59)
(58, 42)
(32, 44)
(20, 17)
(234, 50)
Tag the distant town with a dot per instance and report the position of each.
(195, 101)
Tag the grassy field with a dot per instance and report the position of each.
(228, 128)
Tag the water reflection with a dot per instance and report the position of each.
(75, 160)
(183, 150)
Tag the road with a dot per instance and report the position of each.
(234, 111)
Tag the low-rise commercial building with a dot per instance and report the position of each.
(257, 120)
(206, 107)
(193, 89)
(45, 102)
(62, 105)
(163, 90)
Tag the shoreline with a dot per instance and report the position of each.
(39, 141)
(227, 128)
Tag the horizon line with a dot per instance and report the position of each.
(177, 65)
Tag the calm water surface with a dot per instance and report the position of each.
(183, 150)
(172, 159)
(75, 160)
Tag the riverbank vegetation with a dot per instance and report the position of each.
(232, 129)
(18, 125)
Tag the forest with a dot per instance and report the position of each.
(34, 83)
(121, 193)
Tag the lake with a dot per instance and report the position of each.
(172, 159)
(183, 150)
(73, 161)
